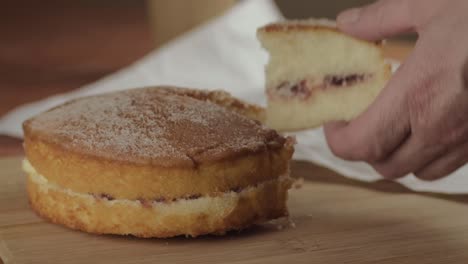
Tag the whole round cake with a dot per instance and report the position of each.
(156, 162)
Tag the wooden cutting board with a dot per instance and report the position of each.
(335, 221)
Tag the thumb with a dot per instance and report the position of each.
(382, 19)
(378, 131)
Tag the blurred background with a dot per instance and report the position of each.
(57, 45)
(316, 8)
(52, 46)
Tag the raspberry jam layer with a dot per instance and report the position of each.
(305, 87)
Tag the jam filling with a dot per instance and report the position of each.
(147, 203)
(103, 196)
(343, 80)
(304, 88)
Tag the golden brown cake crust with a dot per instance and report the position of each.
(82, 173)
(63, 160)
(305, 25)
(300, 25)
(162, 126)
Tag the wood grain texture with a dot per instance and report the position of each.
(335, 222)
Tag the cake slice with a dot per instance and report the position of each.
(317, 74)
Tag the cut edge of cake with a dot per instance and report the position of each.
(318, 74)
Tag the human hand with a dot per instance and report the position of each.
(419, 122)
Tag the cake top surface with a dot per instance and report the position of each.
(300, 25)
(164, 126)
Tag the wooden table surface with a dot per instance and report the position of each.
(334, 222)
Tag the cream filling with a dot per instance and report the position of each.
(228, 197)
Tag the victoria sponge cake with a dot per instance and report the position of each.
(156, 162)
(317, 74)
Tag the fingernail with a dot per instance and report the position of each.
(350, 16)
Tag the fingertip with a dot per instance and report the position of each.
(347, 18)
(333, 134)
(332, 130)
(352, 22)
(387, 171)
(334, 125)
(430, 176)
(376, 21)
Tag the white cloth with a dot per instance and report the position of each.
(224, 54)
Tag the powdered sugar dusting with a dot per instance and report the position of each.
(151, 125)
